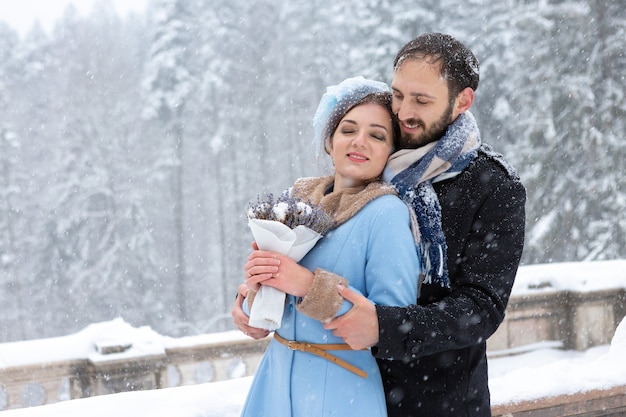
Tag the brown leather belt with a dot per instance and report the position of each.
(320, 349)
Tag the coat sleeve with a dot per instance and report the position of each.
(391, 268)
(484, 271)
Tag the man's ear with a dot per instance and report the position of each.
(463, 101)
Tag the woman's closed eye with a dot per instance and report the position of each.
(379, 136)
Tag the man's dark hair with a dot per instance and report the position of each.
(459, 67)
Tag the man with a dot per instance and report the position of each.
(432, 354)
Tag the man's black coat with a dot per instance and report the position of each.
(439, 345)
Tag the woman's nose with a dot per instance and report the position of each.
(359, 139)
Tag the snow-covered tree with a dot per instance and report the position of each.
(555, 84)
(12, 295)
(90, 238)
(168, 84)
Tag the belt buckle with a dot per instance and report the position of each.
(300, 346)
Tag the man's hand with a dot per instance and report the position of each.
(241, 320)
(359, 326)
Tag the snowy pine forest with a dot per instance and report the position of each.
(130, 147)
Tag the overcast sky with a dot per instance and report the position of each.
(21, 14)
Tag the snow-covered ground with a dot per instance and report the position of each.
(541, 372)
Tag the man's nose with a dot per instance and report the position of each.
(405, 111)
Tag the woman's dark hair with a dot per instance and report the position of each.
(458, 65)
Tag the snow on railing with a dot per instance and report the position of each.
(112, 357)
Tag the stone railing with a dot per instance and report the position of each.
(111, 365)
(578, 320)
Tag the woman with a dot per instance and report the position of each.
(306, 371)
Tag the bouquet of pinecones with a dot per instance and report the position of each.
(290, 211)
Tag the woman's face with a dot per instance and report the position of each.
(361, 145)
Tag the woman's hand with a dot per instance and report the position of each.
(278, 271)
(241, 320)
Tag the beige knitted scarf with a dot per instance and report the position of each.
(343, 204)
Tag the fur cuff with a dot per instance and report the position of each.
(323, 301)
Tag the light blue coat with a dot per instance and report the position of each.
(376, 252)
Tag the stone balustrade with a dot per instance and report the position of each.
(577, 320)
(173, 363)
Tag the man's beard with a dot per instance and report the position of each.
(433, 133)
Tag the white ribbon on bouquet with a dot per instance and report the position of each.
(272, 235)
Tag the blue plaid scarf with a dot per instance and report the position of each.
(413, 171)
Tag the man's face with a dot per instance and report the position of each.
(420, 99)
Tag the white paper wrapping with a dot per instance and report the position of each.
(271, 235)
